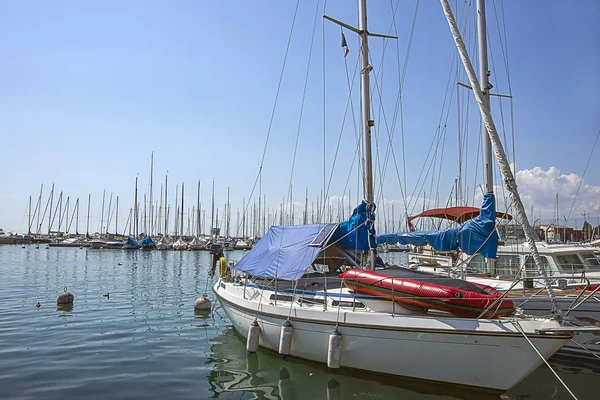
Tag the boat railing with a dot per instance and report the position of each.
(574, 304)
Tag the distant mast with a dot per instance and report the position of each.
(135, 210)
(87, 224)
(166, 213)
(181, 222)
(212, 213)
(29, 218)
(151, 205)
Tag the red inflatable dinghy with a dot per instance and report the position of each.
(466, 300)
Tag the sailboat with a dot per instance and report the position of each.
(180, 244)
(287, 295)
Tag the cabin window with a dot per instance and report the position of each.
(570, 263)
(349, 304)
(507, 265)
(590, 260)
(531, 268)
(478, 263)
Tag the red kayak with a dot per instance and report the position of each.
(469, 301)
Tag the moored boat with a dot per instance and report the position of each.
(147, 244)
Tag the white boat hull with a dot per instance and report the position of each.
(482, 353)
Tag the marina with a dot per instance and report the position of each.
(145, 340)
(338, 255)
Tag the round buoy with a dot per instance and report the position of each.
(202, 303)
(65, 297)
(285, 339)
(37, 246)
(253, 337)
(334, 352)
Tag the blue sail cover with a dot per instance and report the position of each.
(283, 253)
(132, 241)
(477, 235)
(147, 242)
(286, 252)
(359, 231)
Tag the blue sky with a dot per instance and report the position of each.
(89, 90)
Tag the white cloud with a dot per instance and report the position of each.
(539, 187)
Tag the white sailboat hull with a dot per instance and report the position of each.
(482, 353)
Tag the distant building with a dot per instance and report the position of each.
(546, 233)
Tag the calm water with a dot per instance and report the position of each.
(145, 341)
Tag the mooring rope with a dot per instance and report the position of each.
(520, 329)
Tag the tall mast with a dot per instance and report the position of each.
(181, 222)
(38, 207)
(151, 178)
(108, 214)
(102, 217)
(135, 211)
(505, 169)
(117, 218)
(29, 218)
(227, 215)
(488, 170)
(158, 220)
(175, 210)
(50, 214)
(198, 225)
(77, 218)
(87, 225)
(212, 212)
(166, 214)
(145, 217)
(365, 106)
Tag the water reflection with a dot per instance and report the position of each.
(267, 376)
(67, 307)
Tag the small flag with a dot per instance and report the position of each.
(345, 45)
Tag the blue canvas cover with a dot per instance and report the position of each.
(147, 242)
(477, 235)
(358, 232)
(132, 241)
(283, 253)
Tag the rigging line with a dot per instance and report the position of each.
(389, 150)
(262, 161)
(441, 159)
(477, 160)
(399, 108)
(500, 108)
(442, 138)
(320, 217)
(413, 200)
(584, 171)
(504, 48)
(520, 329)
(349, 106)
(303, 99)
(441, 117)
